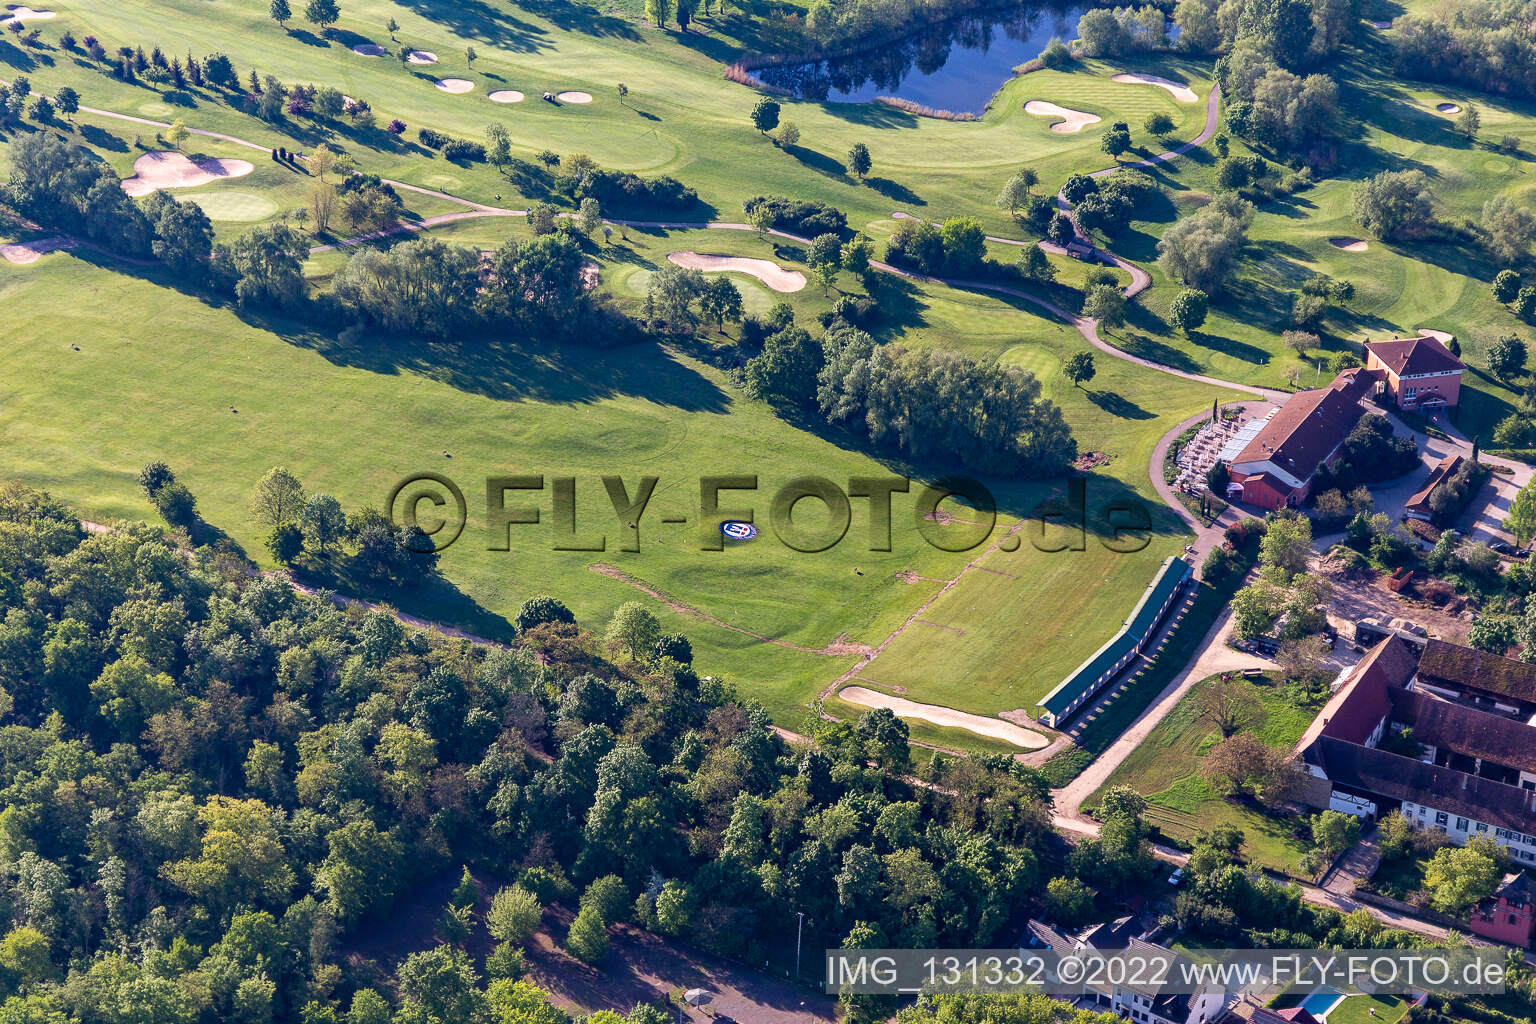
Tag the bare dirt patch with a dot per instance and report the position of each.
(934, 714)
(22, 253)
(1349, 244)
(590, 274)
(1090, 460)
(165, 169)
(1357, 597)
(574, 97)
(506, 96)
(766, 271)
(1071, 120)
(1178, 90)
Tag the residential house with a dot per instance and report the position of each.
(1144, 1005)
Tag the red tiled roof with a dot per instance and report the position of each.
(1408, 356)
(1353, 713)
(1420, 500)
(1309, 427)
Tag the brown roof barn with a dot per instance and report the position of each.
(1445, 663)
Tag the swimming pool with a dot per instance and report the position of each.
(1320, 1002)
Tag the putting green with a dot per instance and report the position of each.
(1040, 362)
(236, 204)
(154, 108)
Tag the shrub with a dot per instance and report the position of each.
(463, 151)
(432, 138)
(801, 216)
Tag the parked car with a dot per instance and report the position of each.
(1177, 877)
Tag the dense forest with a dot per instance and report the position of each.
(210, 781)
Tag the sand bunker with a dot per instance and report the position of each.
(369, 50)
(1178, 90)
(574, 97)
(766, 271)
(1071, 120)
(1443, 337)
(1448, 108)
(1380, 25)
(1350, 244)
(173, 170)
(981, 725)
(506, 96)
(421, 57)
(455, 85)
(23, 13)
(22, 253)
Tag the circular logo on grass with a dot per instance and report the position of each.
(737, 530)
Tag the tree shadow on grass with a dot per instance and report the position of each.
(434, 599)
(100, 138)
(895, 191)
(818, 162)
(476, 19)
(584, 18)
(1118, 405)
(308, 38)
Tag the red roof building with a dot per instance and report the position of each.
(1419, 373)
(1507, 916)
(1275, 468)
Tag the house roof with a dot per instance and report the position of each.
(1516, 888)
(1465, 730)
(1296, 1015)
(1403, 778)
(1462, 667)
(1447, 467)
(1309, 427)
(1408, 356)
(1354, 711)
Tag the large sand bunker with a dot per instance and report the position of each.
(766, 271)
(1443, 337)
(1350, 244)
(22, 253)
(1448, 108)
(455, 85)
(369, 50)
(1071, 120)
(174, 170)
(574, 97)
(24, 13)
(506, 96)
(421, 57)
(981, 725)
(1178, 90)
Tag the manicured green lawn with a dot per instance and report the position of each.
(222, 396)
(1165, 769)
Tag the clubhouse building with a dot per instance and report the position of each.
(1418, 374)
(1271, 462)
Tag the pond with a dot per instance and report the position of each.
(955, 66)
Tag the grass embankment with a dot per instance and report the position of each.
(1165, 769)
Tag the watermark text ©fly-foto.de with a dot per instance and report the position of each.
(807, 514)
